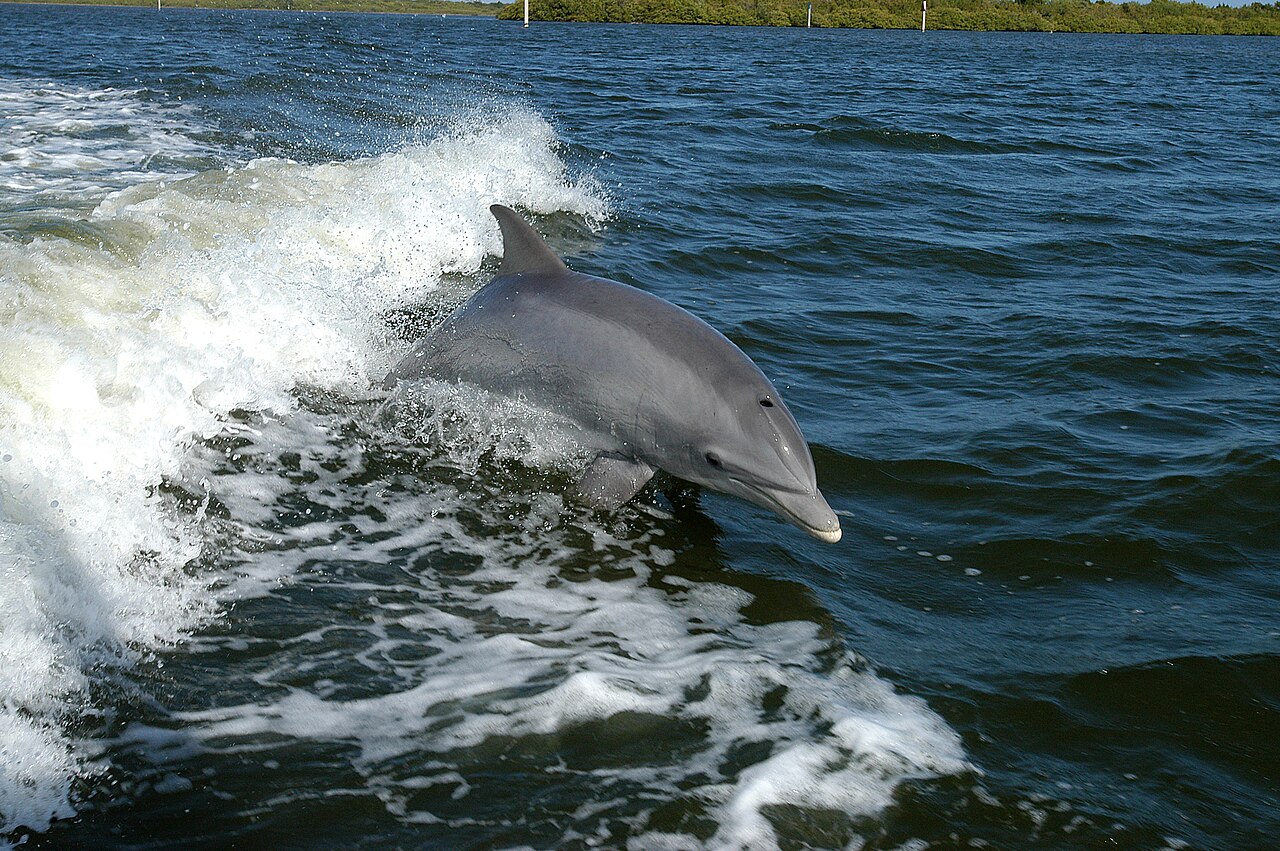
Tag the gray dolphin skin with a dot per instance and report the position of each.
(650, 385)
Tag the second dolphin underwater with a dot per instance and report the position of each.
(650, 385)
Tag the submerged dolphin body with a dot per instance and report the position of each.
(650, 385)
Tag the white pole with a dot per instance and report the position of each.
(809, 23)
(526, 14)
(924, 10)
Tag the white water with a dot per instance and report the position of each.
(130, 338)
(541, 623)
(66, 146)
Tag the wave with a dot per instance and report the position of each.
(193, 297)
(857, 133)
(168, 451)
(496, 633)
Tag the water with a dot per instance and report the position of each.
(1019, 290)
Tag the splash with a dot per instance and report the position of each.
(501, 633)
(164, 355)
(130, 334)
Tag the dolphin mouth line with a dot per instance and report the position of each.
(829, 536)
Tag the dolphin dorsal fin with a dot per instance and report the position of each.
(522, 248)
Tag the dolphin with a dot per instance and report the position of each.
(651, 386)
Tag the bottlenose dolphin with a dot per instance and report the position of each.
(650, 385)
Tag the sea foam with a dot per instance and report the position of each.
(62, 146)
(130, 334)
(490, 625)
(176, 339)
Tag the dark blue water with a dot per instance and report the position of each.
(1022, 292)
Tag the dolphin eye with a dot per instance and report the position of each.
(713, 460)
(766, 402)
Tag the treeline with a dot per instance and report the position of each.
(429, 7)
(1082, 16)
(1156, 16)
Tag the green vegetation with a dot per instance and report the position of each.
(1081, 16)
(1157, 16)
(427, 7)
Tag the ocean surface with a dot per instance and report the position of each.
(1021, 291)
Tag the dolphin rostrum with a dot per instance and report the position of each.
(650, 385)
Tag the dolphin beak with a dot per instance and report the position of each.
(818, 520)
(809, 511)
(830, 536)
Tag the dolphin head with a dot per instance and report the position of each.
(760, 455)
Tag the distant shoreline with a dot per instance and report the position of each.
(1157, 17)
(460, 8)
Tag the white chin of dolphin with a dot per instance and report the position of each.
(831, 536)
(828, 534)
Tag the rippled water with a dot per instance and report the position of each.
(1019, 290)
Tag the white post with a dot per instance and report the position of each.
(924, 10)
(809, 23)
(526, 14)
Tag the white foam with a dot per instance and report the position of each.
(513, 649)
(469, 424)
(66, 146)
(220, 291)
(229, 290)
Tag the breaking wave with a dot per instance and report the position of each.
(180, 430)
(131, 333)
